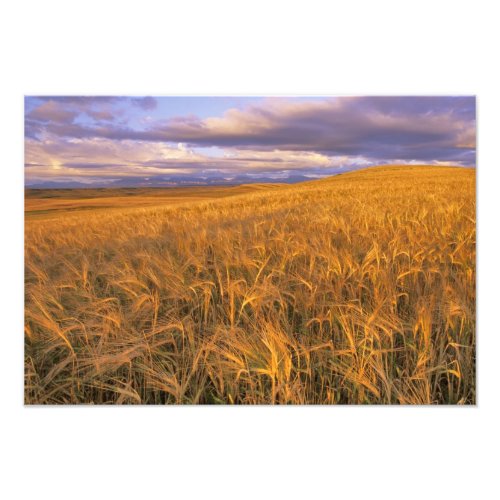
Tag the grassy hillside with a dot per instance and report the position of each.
(354, 289)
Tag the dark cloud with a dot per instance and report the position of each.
(100, 115)
(32, 129)
(146, 103)
(51, 111)
(382, 127)
(79, 100)
(463, 106)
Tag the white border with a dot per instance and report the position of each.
(259, 47)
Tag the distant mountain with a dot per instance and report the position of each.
(173, 181)
(58, 185)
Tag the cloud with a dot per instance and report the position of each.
(146, 103)
(415, 127)
(78, 100)
(99, 157)
(54, 112)
(377, 127)
(51, 111)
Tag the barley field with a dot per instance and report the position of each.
(355, 289)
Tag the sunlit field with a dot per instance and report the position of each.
(355, 289)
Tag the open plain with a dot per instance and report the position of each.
(357, 288)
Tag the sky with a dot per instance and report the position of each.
(73, 141)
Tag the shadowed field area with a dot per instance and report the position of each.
(355, 289)
(49, 201)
